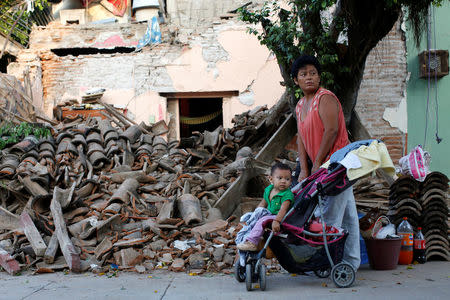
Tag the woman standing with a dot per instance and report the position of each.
(322, 131)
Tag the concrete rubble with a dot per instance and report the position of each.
(107, 192)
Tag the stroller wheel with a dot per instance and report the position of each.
(248, 277)
(324, 273)
(343, 275)
(239, 272)
(262, 277)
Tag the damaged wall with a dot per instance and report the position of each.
(197, 13)
(382, 95)
(222, 58)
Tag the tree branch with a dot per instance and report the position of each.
(311, 22)
(337, 19)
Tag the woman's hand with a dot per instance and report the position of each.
(315, 167)
(303, 174)
(275, 226)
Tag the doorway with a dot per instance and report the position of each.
(199, 114)
(196, 111)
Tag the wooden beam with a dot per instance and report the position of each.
(232, 197)
(217, 94)
(67, 248)
(49, 256)
(278, 141)
(32, 234)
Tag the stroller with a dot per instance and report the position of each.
(297, 249)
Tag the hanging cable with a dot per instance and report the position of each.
(428, 77)
(436, 102)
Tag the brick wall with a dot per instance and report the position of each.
(383, 87)
(140, 72)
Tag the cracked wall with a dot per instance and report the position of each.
(221, 58)
(381, 99)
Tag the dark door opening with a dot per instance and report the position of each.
(5, 61)
(199, 114)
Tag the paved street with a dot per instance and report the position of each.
(429, 281)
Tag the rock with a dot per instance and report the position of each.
(149, 265)
(166, 258)
(7, 246)
(210, 250)
(140, 269)
(129, 257)
(177, 265)
(228, 259)
(8, 263)
(221, 265)
(196, 261)
(218, 254)
(148, 253)
(158, 245)
(209, 228)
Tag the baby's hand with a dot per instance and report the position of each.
(275, 226)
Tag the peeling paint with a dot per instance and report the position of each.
(397, 117)
(247, 98)
(114, 41)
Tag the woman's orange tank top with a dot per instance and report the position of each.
(311, 129)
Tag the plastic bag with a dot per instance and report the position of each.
(416, 163)
(384, 232)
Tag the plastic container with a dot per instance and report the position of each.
(405, 231)
(363, 251)
(419, 247)
(383, 253)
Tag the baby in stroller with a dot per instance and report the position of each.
(277, 198)
(300, 248)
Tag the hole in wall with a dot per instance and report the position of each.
(91, 51)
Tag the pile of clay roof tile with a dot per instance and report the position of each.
(425, 204)
(435, 203)
(92, 196)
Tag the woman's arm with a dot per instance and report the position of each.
(283, 210)
(303, 159)
(329, 114)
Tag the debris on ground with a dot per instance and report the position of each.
(98, 192)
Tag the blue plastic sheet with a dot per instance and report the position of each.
(151, 36)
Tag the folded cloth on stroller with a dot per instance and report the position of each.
(250, 219)
(370, 157)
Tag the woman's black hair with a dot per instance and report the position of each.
(303, 61)
(279, 166)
